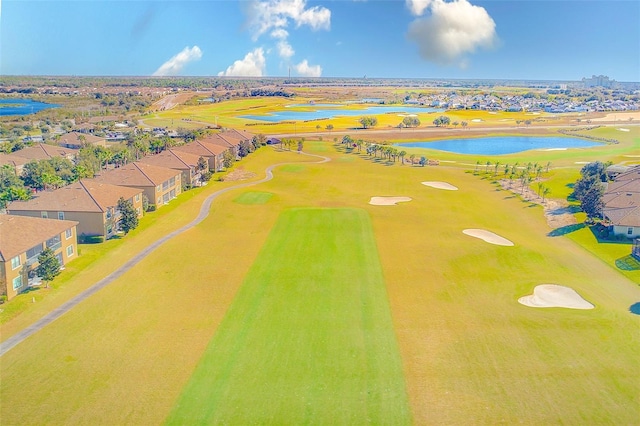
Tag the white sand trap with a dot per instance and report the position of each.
(582, 162)
(388, 201)
(477, 120)
(554, 149)
(623, 130)
(487, 236)
(555, 296)
(441, 185)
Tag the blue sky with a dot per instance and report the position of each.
(503, 39)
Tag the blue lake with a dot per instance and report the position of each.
(502, 145)
(22, 106)
(333, 111)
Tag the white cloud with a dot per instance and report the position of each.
(453, 30)
(285, 50)
(306, 70)
(417, 7)
(174, 65)
(280, 33)
(252, 65)
(266, 15)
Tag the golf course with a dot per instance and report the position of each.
(299, 300)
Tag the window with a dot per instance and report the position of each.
(172, 194)
(32, 254)
(159, 188)
(59, 257)
(17, 282)
(68, 233)
(172, 181)
(44, 215)
(138, 211)
(15, 262)
(165, 185)
(629, 231)
(54, 243)
(60, 215)
(137, 197)
(69, 251)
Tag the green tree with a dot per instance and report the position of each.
(368, 122)
(128, 216)
(591, 201)
(227, 159)
(411, 121)
(48, 266)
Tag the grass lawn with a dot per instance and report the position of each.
(309, 338)
(253, 197)
(469, 352)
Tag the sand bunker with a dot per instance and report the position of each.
(623, 130)
(441, 185)
(555, 296)
(477, 120)
(488, 236)
(388, 201)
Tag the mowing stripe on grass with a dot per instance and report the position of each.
(308, 338)
(253, 197)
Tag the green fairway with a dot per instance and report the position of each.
(253, 197)
(308, 338)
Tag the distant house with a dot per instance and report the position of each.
(212, 152)
(622, 203)
(37, 152)
(159, 184)
(186, 162)
(94, 205)
(22, 239)
(78, 140)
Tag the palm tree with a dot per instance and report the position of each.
(548, 165)
(486, 169)
(412, 157)
(545, 192)
(477, 165)
(495, 170)
(402, 154)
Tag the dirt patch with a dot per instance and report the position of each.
(556, 210)
(238, 174)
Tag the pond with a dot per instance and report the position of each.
(22, 106)
(502, 145)
(326, 111)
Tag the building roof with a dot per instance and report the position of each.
(622, 199)
(202, 147)
(12, 160)
(43, 151)
(75, 138)
(19, 233)
(173, 159)
(138, 175)
(86, 195)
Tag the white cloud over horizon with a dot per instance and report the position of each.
(305, 70)
(417, 7)
(175, 65)
(451, 30)
(269, 15)
(252, 65)
(285, 50)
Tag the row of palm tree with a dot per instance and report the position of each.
(525, 174)
(372, 149)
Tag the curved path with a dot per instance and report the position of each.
(17, 338)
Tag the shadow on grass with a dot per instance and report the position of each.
(628, 263)
(564, 230)
(635, 308)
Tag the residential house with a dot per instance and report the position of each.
(22, 239)
(622, 204)
(186, 162)
(94, 205)
(159, 184)
(37, 152)
(212, 152)
(78, 140)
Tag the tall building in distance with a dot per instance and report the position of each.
(598, 81)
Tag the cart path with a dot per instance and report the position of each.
(17, 338)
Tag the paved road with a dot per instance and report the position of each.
(16, 339)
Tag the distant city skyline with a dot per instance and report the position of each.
(459, 39)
